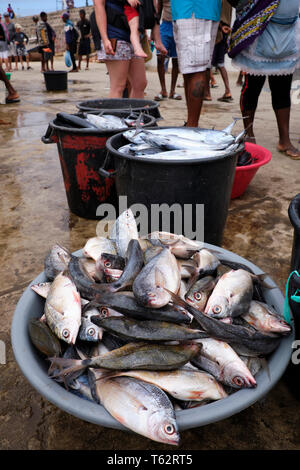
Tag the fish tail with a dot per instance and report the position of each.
(260, 279)
(66, 369)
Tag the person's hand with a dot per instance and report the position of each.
(134, 3)
(108, 47)
(226, 29)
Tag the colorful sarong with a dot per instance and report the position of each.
(252, 19)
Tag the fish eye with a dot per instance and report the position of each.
(66, 333)
(239, 381)
(91, 331)
(197, 296)
(217, 309)
(169, 429)
(107, 264)
(104, 311)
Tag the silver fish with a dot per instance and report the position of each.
(63, 309)
(198, 294)
(182, 384)
(95, 246)
(161, 271)
(220, 360)
(124, 230)
(263, 318)
(88, 330)
(56, 261)
(180, 246)
(140, 406)
(107, 121)
(232, 295)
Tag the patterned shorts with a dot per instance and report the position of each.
(195, 40)
(124, 51)
(21, 50)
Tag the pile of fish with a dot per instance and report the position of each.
(148, 326)
(102, 121)
(182, 142)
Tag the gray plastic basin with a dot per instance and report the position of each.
(35, 368)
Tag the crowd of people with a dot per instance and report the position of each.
(263, 42)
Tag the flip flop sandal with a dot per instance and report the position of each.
(175, 97)
(207, 99)
(290, 152)
(214, 86)
(226, 99)
(160, 97)
(16, 100)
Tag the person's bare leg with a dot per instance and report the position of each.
(12, 94)
(6, 65)
(79, 62)
(283, 122)
(207, 95)
(212, 79)
(87, 62)
(135, 37)
(162, 74)
(9, 63)
(174, 76)
(195, 86)
(225, 79)
(118, 71)
(22, 63)
(51, 63)
(137, 78)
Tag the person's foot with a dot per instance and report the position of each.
(29, 68)
(175, 96)
(239, 82)
(74, 70)
(22, 67)
(12, 98)
(160, 97)
(226, 98)
(207, 98)
(251, 139)
(289, 151)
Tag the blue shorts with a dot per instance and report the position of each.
(167, 38)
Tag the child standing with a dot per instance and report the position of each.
(20, 39)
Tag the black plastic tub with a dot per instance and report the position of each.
(82, 152)
(56, 80)
(121, 104)
(202, 181)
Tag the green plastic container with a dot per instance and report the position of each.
(8, 74)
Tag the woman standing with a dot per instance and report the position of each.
(117, 51)
(71, 36)
(265, 42)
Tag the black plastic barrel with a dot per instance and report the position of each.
(121, 104)
(294, 284)
(82, 151)
(148, 181)
(292, 375)
(56, 80)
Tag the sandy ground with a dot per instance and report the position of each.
(35, 215)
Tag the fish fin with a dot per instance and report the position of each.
(260, 279)
(159, 279)
(194, 278)
(176, 299)
(68, 369)
(81, 355)
(65, 249)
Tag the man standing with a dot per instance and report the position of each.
(195, 25)
(11, 44)
(3, 45)
(43, 41)
(71, 36)
(84, 27)
(167, 37)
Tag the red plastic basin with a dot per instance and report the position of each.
(245, 174)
